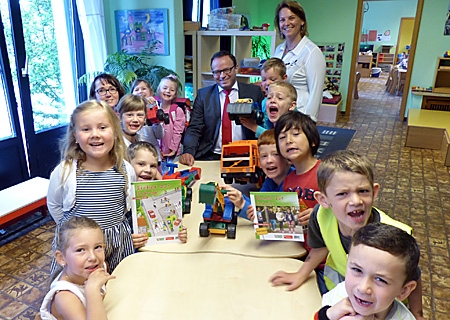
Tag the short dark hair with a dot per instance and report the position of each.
(298, 120)
(108, 78)
(223, 53)
(393, 240)
(296, 9)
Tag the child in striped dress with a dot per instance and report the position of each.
(94, 179)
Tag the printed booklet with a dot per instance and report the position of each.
(156, 210)
(276, 216)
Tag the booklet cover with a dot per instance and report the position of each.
(276, 216)
(157, 210)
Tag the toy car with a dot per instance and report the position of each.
(244, 108)
(219, 216)
(187, 177)
(240, 162)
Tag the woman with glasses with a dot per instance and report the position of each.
(106, 87)
(305, 64)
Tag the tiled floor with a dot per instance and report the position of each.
(415, 189)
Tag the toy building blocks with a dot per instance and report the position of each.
(240, 162)
(219, 216)
(244, 108)
(187, 177)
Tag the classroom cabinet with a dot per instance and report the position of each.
(442, 76)
(208, 43)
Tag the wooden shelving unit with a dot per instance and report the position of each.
(442, 76)
(386, 58)
(208, 43)
(190, 63)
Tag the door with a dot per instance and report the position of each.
(404, 36)
(40, 86)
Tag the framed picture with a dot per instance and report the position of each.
(139, 30)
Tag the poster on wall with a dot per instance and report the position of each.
(333, 54)
(139, 30)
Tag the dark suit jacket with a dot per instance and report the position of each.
(203, 129)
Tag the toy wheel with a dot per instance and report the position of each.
(228, 180)
(254, 178)
(189, 193)
(231, 231)
(187, 207)
(166, 118)
(204, 229)
(259, 117)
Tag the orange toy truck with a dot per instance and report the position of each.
(240, 162)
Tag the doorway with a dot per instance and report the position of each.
(38, 83)
(362, 5)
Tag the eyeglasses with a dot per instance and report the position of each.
(103, 91)
(226, 71)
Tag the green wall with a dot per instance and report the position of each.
(431, 44)
(386, 15)
(175, 59)
(328, 21)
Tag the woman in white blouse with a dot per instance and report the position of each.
(305, 64)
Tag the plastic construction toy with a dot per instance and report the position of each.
(156, 115)
(219, 216)
(245, 108)
(240, 162)
(187, 177)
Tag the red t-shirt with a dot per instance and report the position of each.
(304, 184)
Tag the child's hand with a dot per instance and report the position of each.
(282, 277)
(139, 240)
(97, 279)
(234, 195)
(249, 123)
(182, 235)
(250, 213)
(170, 154)
(303, 217)
(151, 100)
(343, 310)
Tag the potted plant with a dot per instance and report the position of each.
(129, 67)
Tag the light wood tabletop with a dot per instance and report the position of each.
(152, 285)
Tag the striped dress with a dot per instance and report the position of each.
(101, 197)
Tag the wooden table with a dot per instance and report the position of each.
(23, 199)
(216, 286)
(245, 242)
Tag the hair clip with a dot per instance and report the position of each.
(172, 76)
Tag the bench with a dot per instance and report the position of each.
(429, 129)
(22, 200)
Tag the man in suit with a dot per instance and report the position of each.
(209, 127)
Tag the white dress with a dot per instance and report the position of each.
(56, 286)
(305, 68)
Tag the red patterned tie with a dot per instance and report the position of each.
(226, 123)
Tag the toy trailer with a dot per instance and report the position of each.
(219, 216)
(240, 162)
(244, 108)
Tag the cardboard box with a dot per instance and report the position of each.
(191, 26)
